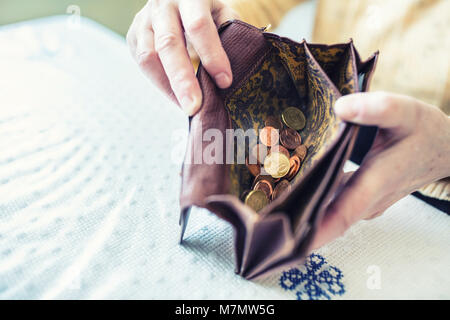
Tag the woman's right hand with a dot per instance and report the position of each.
(160, 36)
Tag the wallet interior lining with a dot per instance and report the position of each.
(298, 75)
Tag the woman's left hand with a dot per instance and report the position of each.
(412, 149)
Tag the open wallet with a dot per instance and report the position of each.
(270, 74)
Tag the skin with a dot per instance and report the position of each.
(412, 149)
(157, 40)
(407, 154)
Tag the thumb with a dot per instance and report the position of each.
(222, 13)
(370, 189)
(385, 110)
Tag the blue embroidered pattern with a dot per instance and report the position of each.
(315, 280)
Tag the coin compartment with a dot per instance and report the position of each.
(291, 74)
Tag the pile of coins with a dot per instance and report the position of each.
(276, 158)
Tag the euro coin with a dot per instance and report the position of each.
(274, 122)
(294, 163)
(269, 136)
(290, 138)
(293, 118)
(301, 152)
(256, 199)
(276, 164)
(265, 186)
(263, 177)
(282, 187)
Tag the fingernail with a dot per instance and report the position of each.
(345, 108)
(223, 80)
(189, 105)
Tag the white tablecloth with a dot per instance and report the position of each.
(89, 193)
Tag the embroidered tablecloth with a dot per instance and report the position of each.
(89, 184)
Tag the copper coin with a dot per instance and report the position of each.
(280, 149)
(290, 138)
(254, 169)
(294, 163)
(274, 122)
(258, 153)
(280, 188)
(267, 178)
(301, 152)
(269, 136)
(265, 187)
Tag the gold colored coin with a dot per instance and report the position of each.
(256, 199)
(293, 118)
(276, 164)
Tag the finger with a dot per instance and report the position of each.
(149, 62)
(171, 48)
(202, 33)
(222, 13)
(381, 180)
(378, 108)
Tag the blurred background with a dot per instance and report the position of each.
(115, 14)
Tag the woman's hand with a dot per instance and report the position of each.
(157, 40)
(412, 149)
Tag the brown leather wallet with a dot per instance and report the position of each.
(271, 73)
